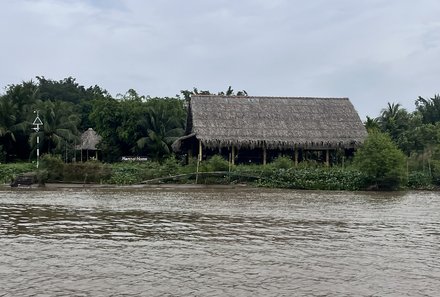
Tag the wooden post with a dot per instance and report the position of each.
(233, 155)
(199, 159)
(327, 158)
(189, 156)
(200, 150)
(296, 156)
(264, 155)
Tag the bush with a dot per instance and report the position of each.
(126, 173)
(322, 178)
(281, 163)
(170, 166)
(215, 163)
(419, 180)
(382, 162)
(87, 172)
(435, 171)
(9, 172)
(54, 166)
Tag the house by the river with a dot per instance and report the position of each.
(252, 129)
(88, 146)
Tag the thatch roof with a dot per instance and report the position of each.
(274, 122)
(89, 140)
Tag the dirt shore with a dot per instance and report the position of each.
(55, 186)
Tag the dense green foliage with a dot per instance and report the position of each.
(417, 135)
(319, 178)
(381, 161)
(10, 171)
(129, 124)
(136, 125)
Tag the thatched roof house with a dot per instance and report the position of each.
(272, 123)
(89, 142)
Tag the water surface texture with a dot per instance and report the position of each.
(212, 242)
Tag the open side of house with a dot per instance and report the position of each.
(253, 129)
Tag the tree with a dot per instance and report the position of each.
(68, 90)
(372, 124)
(59, 127)
(8, 126)
(394, 120)
(381, 160)
(117, 122)
(429, 109)
(162, 125)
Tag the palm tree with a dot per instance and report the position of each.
(394, 120)
(429, 109)
(371, 124)
(163, 123)
(8, 112)
(59, 126)
(9, 125)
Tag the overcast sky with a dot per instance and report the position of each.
(372, 51)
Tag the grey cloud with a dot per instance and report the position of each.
(371, 51)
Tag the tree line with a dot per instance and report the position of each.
(129, 124)
(402, 148)
(416, 134)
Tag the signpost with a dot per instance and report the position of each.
(37, 123)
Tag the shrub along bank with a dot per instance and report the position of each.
(279, 174)
(8, 172)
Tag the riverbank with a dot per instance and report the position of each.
(61, 186)
(213, 172)
(217, 243)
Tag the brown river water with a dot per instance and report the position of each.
(218, 242)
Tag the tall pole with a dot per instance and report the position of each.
(37, 123)
(38, 149)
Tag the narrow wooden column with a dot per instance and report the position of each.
(296, 156)
(200, 150)
(327, 158)
(189, 156)
(233, 155)
(199, 159)
(264, 155)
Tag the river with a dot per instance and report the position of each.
(218, 242)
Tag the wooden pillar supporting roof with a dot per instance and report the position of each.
(264, 155)
(200, 150)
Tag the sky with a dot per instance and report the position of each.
(372, 51)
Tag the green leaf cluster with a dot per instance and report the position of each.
(382, 162)
(318, 178)
(9, 172)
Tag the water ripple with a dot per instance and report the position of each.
(207, 243)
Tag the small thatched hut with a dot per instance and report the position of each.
(88, 145)
(260, 128)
